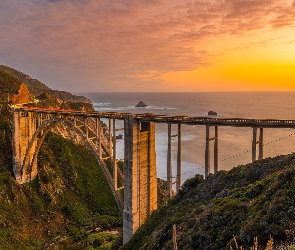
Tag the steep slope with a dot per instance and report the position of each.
(69, 205)
(252, 200)
(11, 80)
(37, 88)
(9, 85)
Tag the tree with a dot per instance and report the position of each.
(23, 95)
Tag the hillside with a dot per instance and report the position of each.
(9, 86)
(252, 200)
(11, 81)
(69, 205)
(37, 88)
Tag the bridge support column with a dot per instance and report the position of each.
(169, 164)
(98, 136)
(207, 152)
(216, 150)
(179, 170)
(140, 177)
(23, 128)
(169, 161)
(254, 142)
(260, 155)
(16, 146)
(110, 139)
(115, 166)
(86, 126)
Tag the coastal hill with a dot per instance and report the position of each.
(254, 200)
(37, 88)
(11, 81)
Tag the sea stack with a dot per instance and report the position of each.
(212, 113)
(141, 104)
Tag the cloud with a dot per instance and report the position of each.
(110, 41)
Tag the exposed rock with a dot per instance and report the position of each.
(141, 104)
(119, 137)
(212, 112)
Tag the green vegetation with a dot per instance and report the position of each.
(9, 86)
(252, 200)
(68, 205)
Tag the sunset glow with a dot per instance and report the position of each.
(154, 45)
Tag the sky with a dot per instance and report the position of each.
(151, 45)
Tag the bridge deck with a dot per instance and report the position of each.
(189, 120)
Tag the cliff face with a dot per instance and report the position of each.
(248, 201)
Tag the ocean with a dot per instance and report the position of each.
(235, 144)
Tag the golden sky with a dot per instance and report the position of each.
(151, 45)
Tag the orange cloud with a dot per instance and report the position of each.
(101, 43)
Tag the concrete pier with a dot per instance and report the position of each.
(179, 167)
(140, 177)
(207, 151)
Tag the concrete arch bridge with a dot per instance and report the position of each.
(138, 176)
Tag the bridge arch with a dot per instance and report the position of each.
(29, 164)
(139, 177)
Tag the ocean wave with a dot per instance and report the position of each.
(102, 104)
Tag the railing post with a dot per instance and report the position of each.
(169, 164)
(207, 152)
(179, 172)
(254, 140)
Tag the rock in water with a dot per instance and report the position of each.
(141, 104)
(212, 113)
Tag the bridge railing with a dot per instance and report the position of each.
(190, 120)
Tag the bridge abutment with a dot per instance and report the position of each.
(140, 177)
(23, 128)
